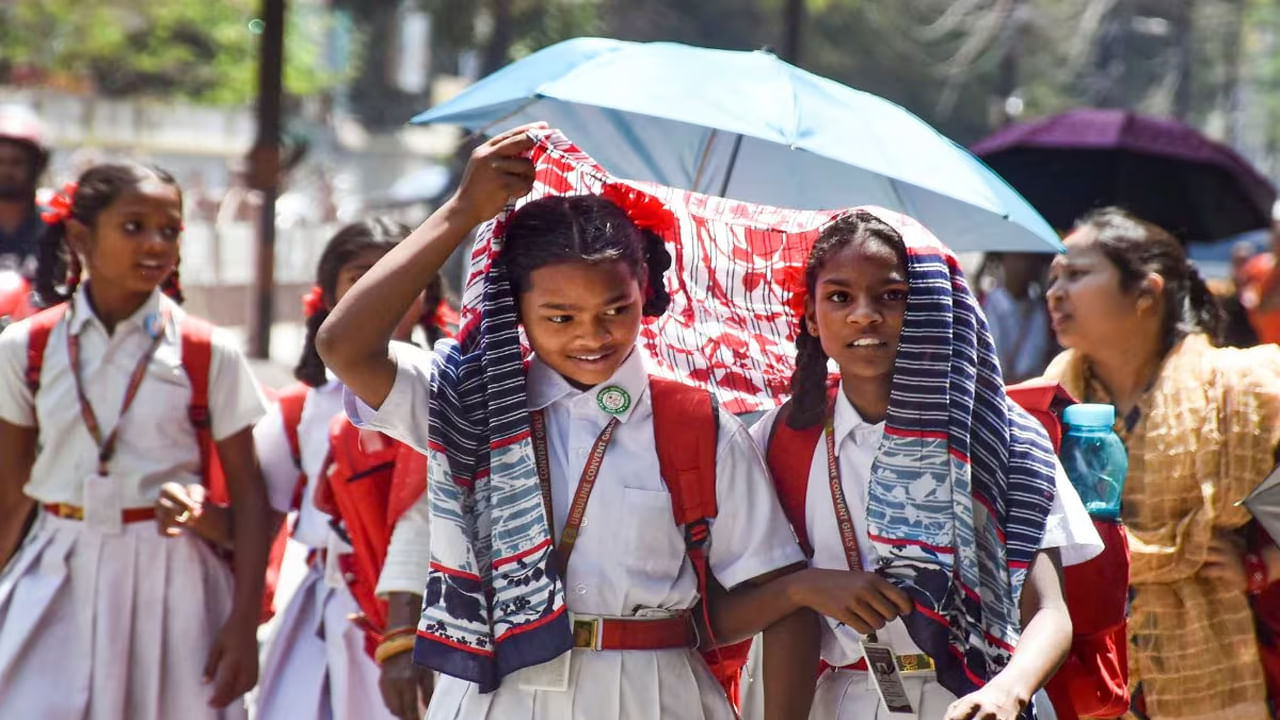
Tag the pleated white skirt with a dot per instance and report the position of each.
(622, 684)
(315, 666)
(104, 627)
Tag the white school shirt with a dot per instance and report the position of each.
(311, 528)
(630, 554)
(157, 442)
(1067, 527)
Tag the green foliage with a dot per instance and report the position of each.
(205, 51)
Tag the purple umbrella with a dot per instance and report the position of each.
(1161, 170)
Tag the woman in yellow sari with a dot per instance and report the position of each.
(1201, 425)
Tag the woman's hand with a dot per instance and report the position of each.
(496, 174)
(995, 701)
(1224, 561)
(864, 601)
(405, 686)
(183, 507)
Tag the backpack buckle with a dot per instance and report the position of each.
(696, 534)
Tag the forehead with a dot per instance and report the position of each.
(150, 195)
(1081, 247)
(580, 279)
(864, 257)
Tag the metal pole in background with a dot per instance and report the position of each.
(264, 172)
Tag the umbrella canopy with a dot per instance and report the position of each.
(1161, 170)
(749, 126)
(1264, 504)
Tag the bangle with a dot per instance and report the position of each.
(1256, 572)
(397, 632)
(395, 646)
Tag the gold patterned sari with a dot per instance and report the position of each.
(1206, 436)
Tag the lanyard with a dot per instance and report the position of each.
(844, 519)
(586, 483)
(107, 444)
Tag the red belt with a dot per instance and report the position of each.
(597, 633)
(73, 512)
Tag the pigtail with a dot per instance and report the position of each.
(1205, 309)
(310, 369)
(58, 270)
(808, 382)
(658, 261)
(172, 285)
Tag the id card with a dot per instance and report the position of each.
(552, 675)
(886, 678)
(103, 504)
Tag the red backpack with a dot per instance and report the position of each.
(1094, 680)
(197, 355)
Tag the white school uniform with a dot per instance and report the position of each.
(630, 555)
(100, 626)
(846, 694)
(314, 665)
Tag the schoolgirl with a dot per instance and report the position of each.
(933, 509)
(564, 450)
(101, 404)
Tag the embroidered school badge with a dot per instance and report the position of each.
(153, 324)
(613, 400)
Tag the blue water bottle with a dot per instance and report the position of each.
(1095, 458)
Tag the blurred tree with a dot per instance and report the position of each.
(205, 51)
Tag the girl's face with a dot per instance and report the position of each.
(1087, 306)
(582, 319)
(133, 245)
(857, 307)
(354, 269)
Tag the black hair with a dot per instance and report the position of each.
(58, 272)
(37, 156)
(1136, 248)
(345, 245)
(584, 228)
(808, 405)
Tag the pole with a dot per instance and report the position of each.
(264, 172)
(793, 16)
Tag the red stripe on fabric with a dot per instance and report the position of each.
(998, 642)
(454, 572)
(1019, 565)
(455, 645)
(973, 595)
(915, 543)
(958, 455)
(522, 555)
(504, 442)
(930, 613)
(533, 625)
(903, 432)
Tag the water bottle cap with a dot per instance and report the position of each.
(1090, 415)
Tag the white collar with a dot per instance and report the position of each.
(849, 424)
(544, 386)
(142, 318)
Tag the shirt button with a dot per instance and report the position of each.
(580, 589)
(348, 577)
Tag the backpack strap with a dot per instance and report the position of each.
(686, 427)
(292, 401)
(790, 456)
(197, 359)
(39, 328)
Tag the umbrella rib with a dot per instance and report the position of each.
(702, 162)
(733, 160)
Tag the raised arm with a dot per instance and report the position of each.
(354, 341)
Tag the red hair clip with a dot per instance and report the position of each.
(792, 281)
(645, 210)
(60, 205)
(313, 302)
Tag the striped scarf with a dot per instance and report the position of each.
(494, 602)
(963, 480)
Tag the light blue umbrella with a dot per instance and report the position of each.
(749, 126)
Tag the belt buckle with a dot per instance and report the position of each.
(68, 511)
(586, 633)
